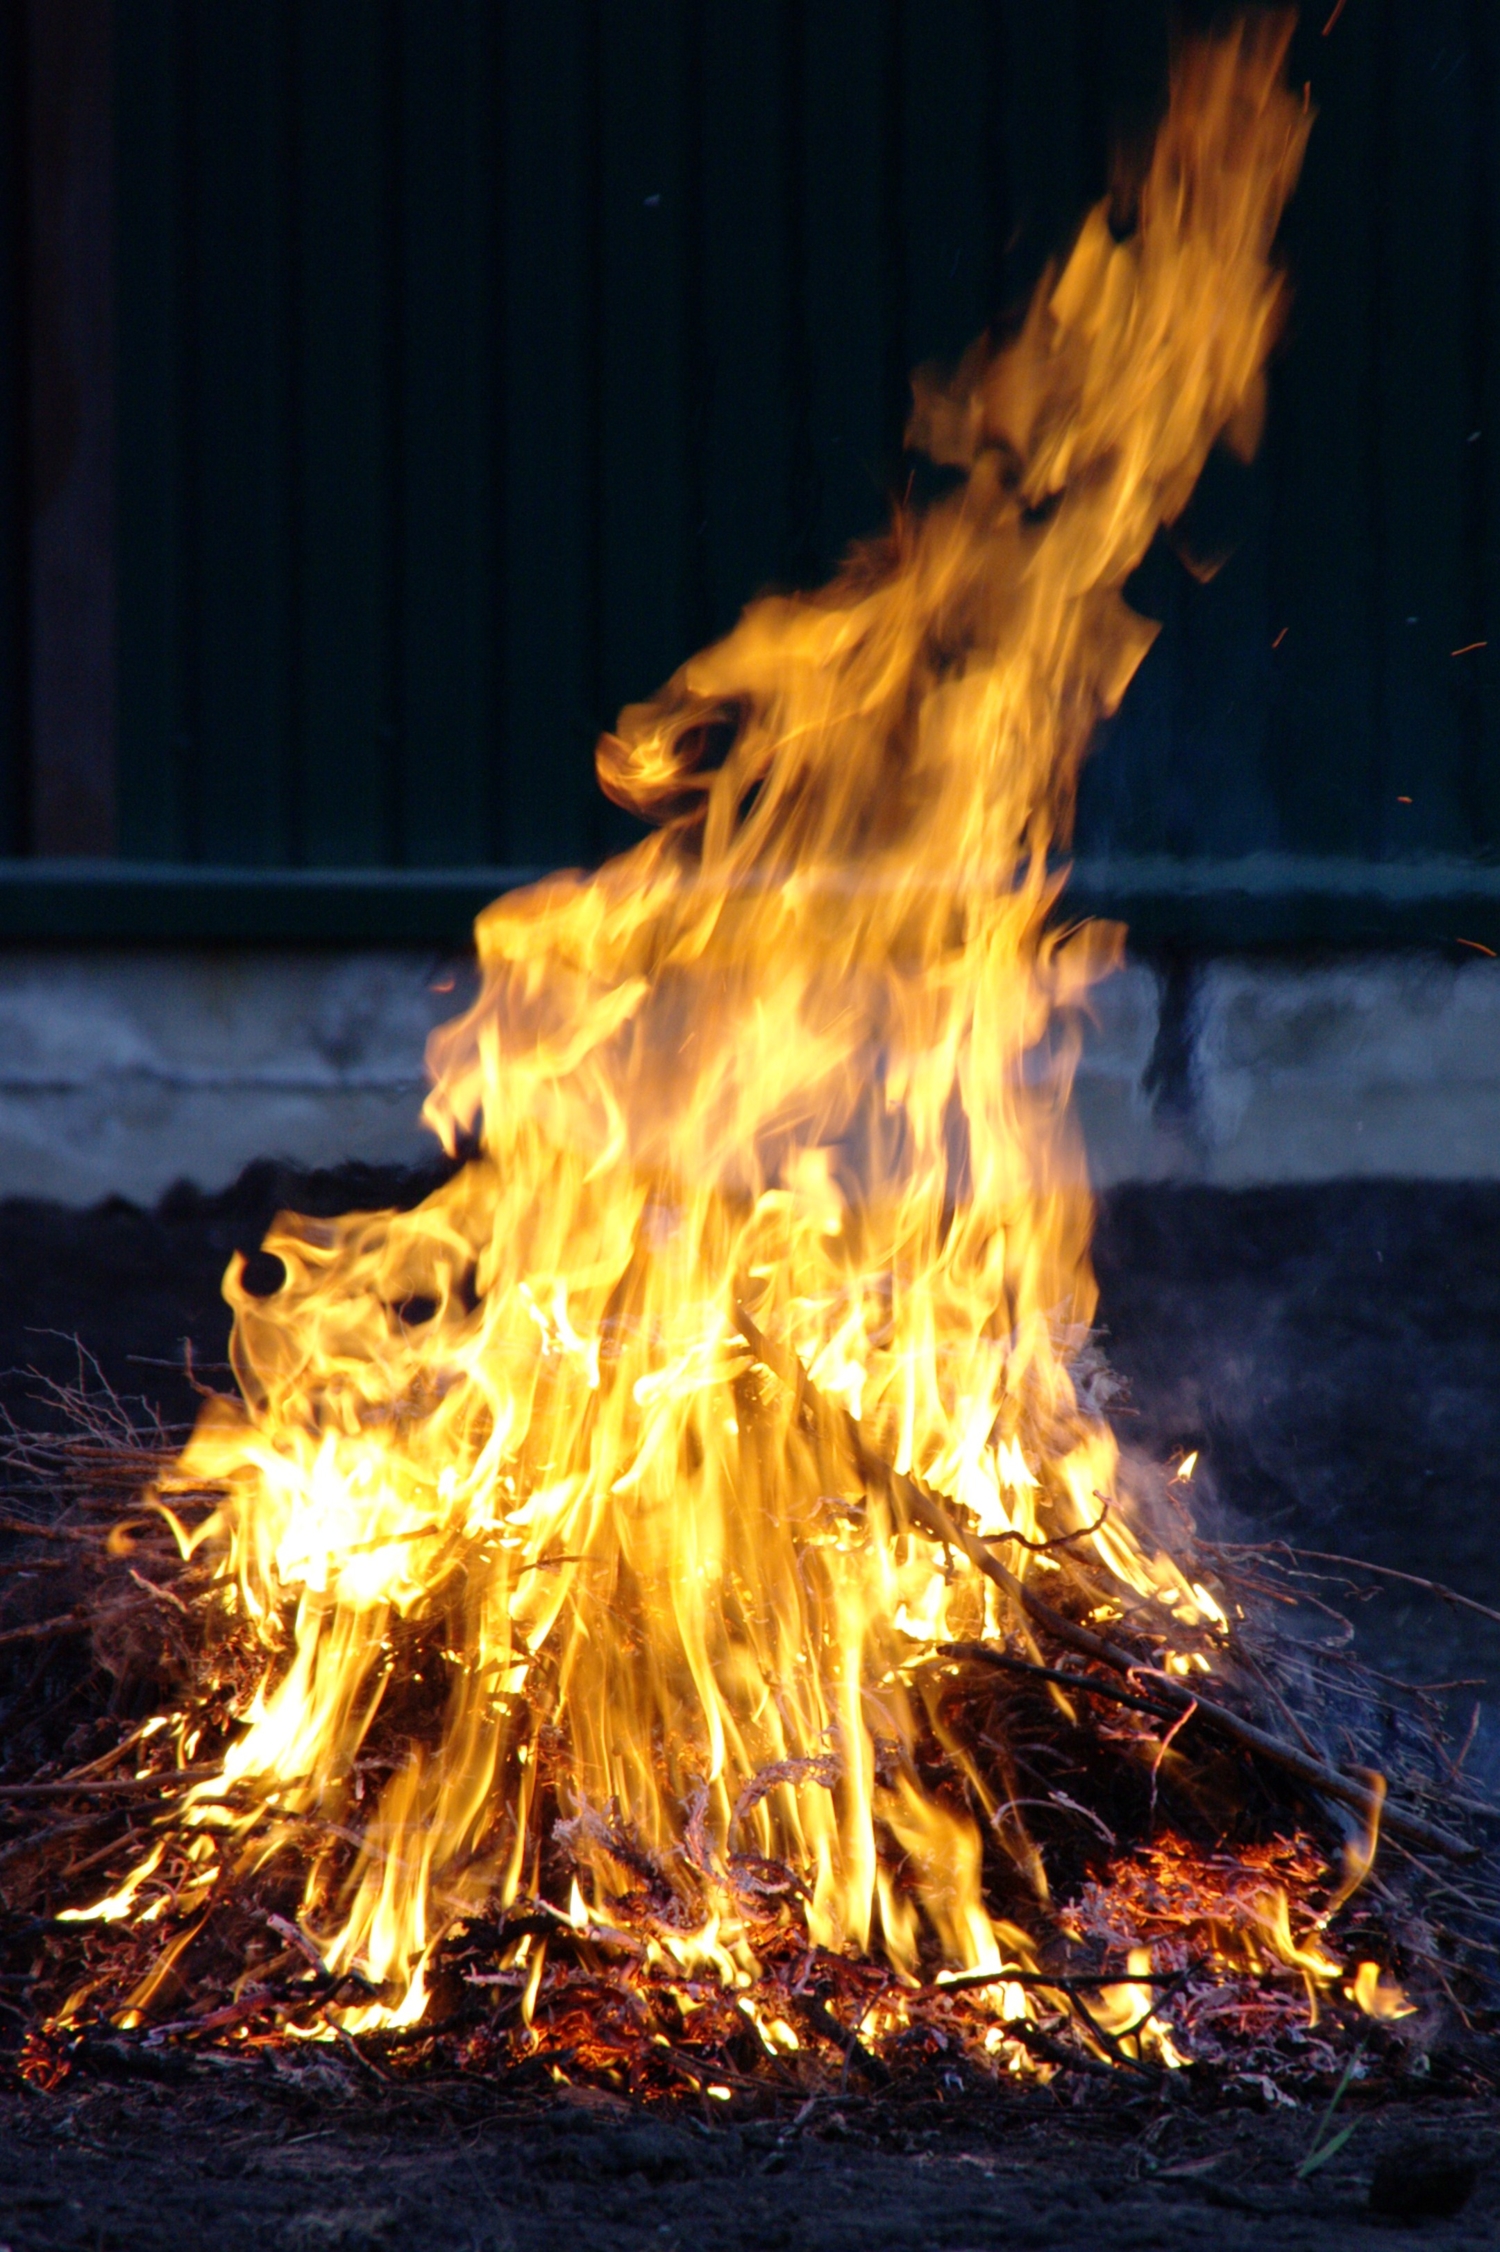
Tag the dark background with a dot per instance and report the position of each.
(393, 388)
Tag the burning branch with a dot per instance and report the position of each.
(917, 1505)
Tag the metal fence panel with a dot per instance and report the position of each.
(478, 358)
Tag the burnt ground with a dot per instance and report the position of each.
(1333, 1352)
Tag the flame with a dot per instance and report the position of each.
(506, 1468)
(1127, 2012)
(1376, 1995)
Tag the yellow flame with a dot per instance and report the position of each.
(504, 1468)
(117, 1905)
(1126, 2010)
(1376, 1995)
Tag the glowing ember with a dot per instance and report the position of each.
(604, 1481)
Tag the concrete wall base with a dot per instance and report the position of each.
(122, 1073)
(1244, 1071)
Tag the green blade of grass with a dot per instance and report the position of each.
(1325, 2151)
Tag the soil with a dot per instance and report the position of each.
(314, 2166)
(1334, 1355)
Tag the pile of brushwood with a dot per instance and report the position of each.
(1210, 1818)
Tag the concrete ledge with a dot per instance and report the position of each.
(1290, 903)
(1263, 1071)
(1276, 901)
(1386, 1067)
(131, 901)
(122, 1072)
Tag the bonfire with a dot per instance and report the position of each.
(671, 1610)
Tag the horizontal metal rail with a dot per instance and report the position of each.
(1270, 902)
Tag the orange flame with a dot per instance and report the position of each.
(806, 1049)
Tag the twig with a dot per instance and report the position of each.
(112, 1758)
(49, 1630)
(122, 1843)
(1455, 1765)
(23, 1530)
(1060, 1982)
(856, 2047)
(1269, 1689)
(255, 2004)
(1063, 1540)
(1465, 1805)
(1407, 1579)
(112, 1786)
(342, 2033)
(1055, 2052)
(1162, 1750)
(983, 1654)
(161, 1594)
(822, 2019)
(1110, 2043)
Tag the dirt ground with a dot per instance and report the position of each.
(1335, 1355)
(107, 2168)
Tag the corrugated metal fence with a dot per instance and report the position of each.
(475, 359)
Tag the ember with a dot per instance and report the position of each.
(670, 1609)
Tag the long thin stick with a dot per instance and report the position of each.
(926, 1509)
(983, 1654)
(48, 1630)
(110, 1786)
(1068, 1982)
(1387, 1572)
(25, 1530)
